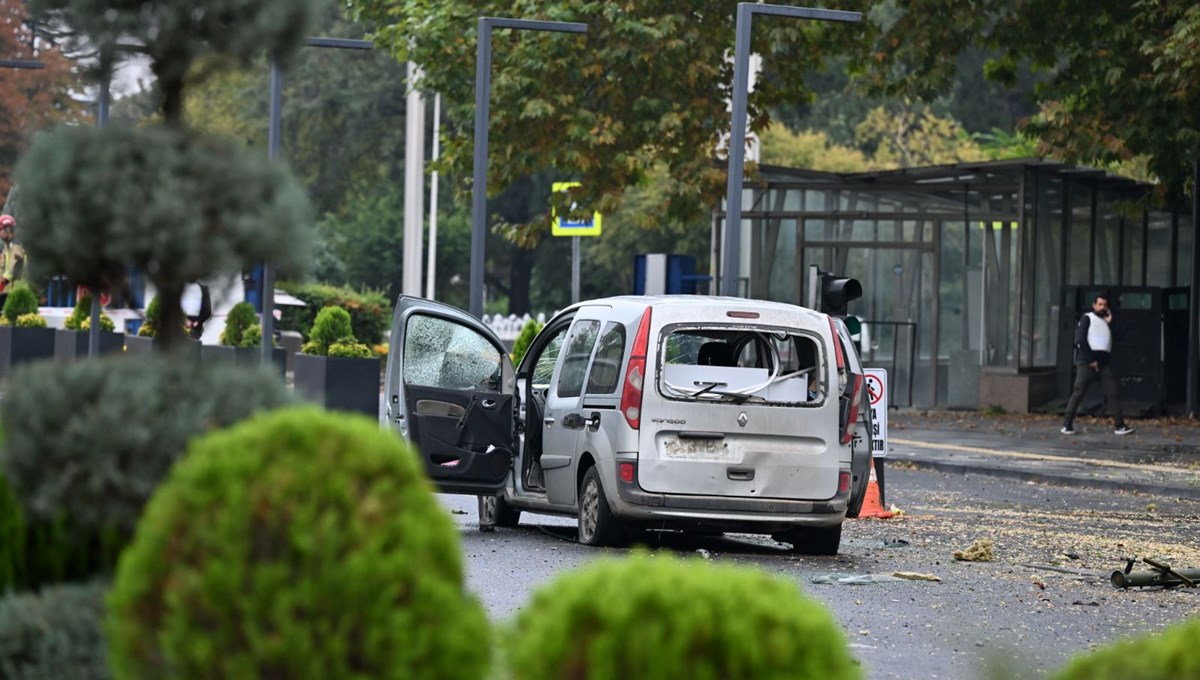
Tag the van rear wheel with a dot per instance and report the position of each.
(812, 540)
(494, 512)
(597, 526)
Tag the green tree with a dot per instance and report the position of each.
(178, 204)
(648, 85)
(1121, 78)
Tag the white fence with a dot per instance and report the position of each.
(508, 327)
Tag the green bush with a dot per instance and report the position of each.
(351, 350)
(524, 339)
(33, 320)
(149, 328)
(664, 618)
(370, 311)
(331, 327)
(55, 634)
(241, 317)
(21, 301)
(1173, 653)
(299, 544)
(82, 314)
(12, 538)
(252, 336)
(87, 442)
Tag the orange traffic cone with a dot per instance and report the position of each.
(872, 507)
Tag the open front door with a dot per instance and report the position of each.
(450, 392)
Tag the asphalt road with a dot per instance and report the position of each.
(1044, 597)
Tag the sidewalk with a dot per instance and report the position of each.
(1162, 457)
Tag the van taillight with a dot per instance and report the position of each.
(837, 346)
(855, 402)
(635, 374)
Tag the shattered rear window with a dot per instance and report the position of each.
(742, 365)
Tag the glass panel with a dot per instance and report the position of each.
(441, 353)
(1108, 241)
(1047, 274)
(543, 370)
(1158, 250)
(579, 349)
(1079, 244)
(1134, 272)
(605, 372)
(773, 252)
(1183, 254)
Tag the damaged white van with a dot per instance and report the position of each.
(672, 412)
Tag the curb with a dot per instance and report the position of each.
(1189, 493)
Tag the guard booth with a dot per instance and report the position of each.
(1139, 353)
(664, 274)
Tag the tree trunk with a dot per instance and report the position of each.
(171, 335)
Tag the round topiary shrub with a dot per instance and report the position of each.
(21, 301)
(241, 317)
(332, 326)
(664, 618)
(300, 543)
(149, 327)
(1174, 653)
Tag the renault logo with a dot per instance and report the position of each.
(743, 419)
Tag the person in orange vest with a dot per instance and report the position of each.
(12, 259)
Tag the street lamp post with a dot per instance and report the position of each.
(731, 252)
(483, 86)
(273, 142)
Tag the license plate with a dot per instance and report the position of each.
(697, 449)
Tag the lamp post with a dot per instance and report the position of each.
(483, 86)
(731, 252)
(273, 142)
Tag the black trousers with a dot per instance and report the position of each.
(1084, 377)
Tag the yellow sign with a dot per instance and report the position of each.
(570, 227)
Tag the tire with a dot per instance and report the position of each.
(813, 540)
(494, 512)
(597, 526)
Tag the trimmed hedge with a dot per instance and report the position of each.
(1170, 655)
(56, 634)
(88, 442)
(662, 618)
(300, 543)
(370, 312)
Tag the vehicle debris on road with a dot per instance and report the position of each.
(982, 550)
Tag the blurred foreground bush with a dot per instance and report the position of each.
(662, 618)
(86, 444)
(300, 543)
(55, 634)
(1173, 654)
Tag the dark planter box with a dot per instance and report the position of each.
(244, 356)
(339, 384)
(18, 345)
(72, 345)
(139, 345)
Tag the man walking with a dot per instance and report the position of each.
(1093, 345)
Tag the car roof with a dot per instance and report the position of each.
(691, 300)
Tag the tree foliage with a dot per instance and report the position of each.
(647, 85)
(1120, 78)
(30, 99)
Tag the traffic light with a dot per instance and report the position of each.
(836, 292)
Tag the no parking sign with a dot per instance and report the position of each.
(877, 393)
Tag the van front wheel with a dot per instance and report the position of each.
(812, 540)
(494, 512)
(597, 526)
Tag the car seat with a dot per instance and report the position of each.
(715, 354)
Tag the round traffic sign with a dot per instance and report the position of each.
(874, 388)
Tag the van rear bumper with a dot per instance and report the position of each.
(643, 505)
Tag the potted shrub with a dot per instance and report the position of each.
(334, 369)
(70, 343)
(241, 340)
(23, 333)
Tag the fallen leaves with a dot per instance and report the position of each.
(982, 550)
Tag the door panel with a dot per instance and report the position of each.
(450, 392)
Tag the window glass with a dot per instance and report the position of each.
(574, 364)
(441, 353)
(543, 368)
(738, 365)
(606, 367)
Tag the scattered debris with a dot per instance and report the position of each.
(1093, 603)
(704, 553)
(1152, 507)
(896, 543)
(458, 512)
(855, 579)
(915, 576)
(982, 550)
(1162, 575)
(1071, 555)
(1037, 581)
